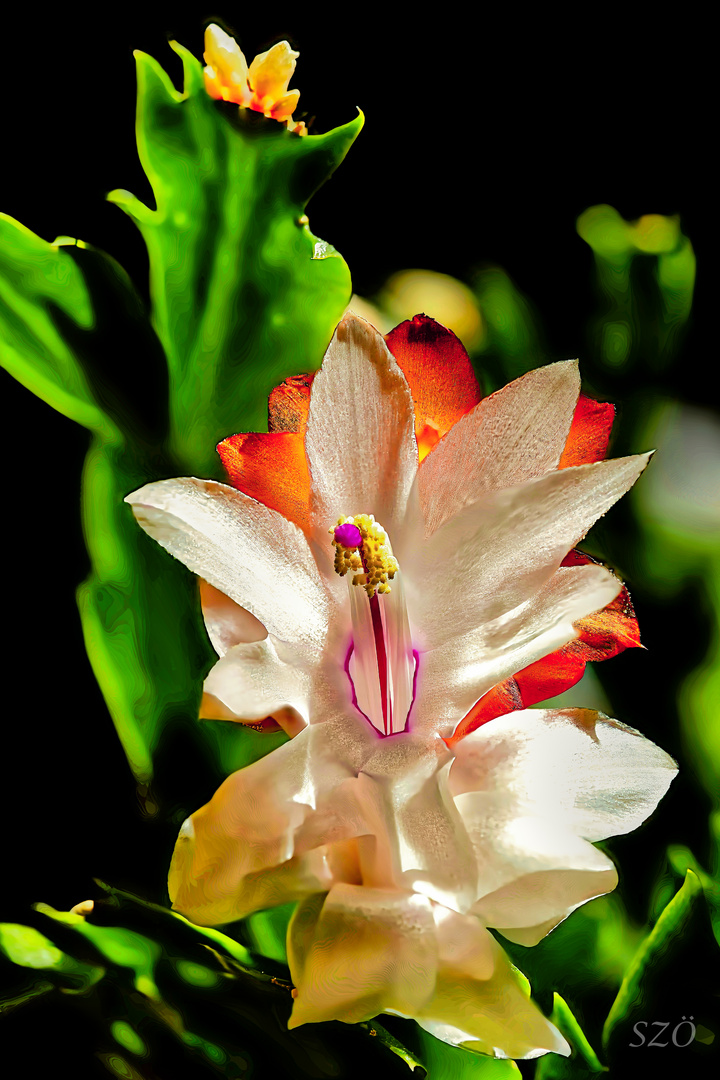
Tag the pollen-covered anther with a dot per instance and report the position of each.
(361, 544)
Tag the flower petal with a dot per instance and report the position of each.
(249, 825)
(438, 370)
(360, 440)
(589, 433)
(283, 107)
(594, 773)
(431, 851)
(534, 872)
(361, 951)
(497, 552)
(256, 679)
(512, 436)
(272, 468)
(479, 1001)
(250, 553)
(289, 403)
(227, 70)
(531, 788)
(452, 677)
(271, 71)
(226, 622)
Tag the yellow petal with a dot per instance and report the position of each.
(271, 71)
(226, 75)
(285, 107)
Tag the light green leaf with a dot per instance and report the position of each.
(27, 947)
(454, 1063)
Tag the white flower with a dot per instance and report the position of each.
(403, 847)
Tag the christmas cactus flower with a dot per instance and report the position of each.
(262, 87)
(392, 578)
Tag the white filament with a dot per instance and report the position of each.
(400, 660)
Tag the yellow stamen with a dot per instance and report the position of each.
(373, 557)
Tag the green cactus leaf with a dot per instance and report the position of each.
(47, 298)
(583, 1061)
(243, 294)
(668, 981)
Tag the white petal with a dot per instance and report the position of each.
(226, 622)
(249, 826)
(360, 439)
(250, 553)
(594, 774)
(361, 952)
(533, 872)
(454, 676)
(510, 437)
(499, 551)
(432, 852)
(479, 1001)
(255, 679)
(531, 788)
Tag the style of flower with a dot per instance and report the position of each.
(392, 578)
(263, 86)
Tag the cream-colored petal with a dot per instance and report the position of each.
(360, 437)
(360, 952)
(454, 676)
(250, 553)
(255, 679)
(226, 622)
(533, 871)
(250, 823)
(555, 895)
(510, 437)
(499, 551)
(430, 847)
(479, 1002)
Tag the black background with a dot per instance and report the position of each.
(484, 140)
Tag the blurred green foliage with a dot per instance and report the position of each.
(183, 997)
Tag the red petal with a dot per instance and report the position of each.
(289, 402)
(272, 468)
(441, 378)
(589, 433)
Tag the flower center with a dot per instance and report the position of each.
(381, 665)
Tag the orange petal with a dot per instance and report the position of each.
(589, 433)
(272, 468)
(441, 378)
(552, 675)
(606, 632)
(289, 403)
(503, 698)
